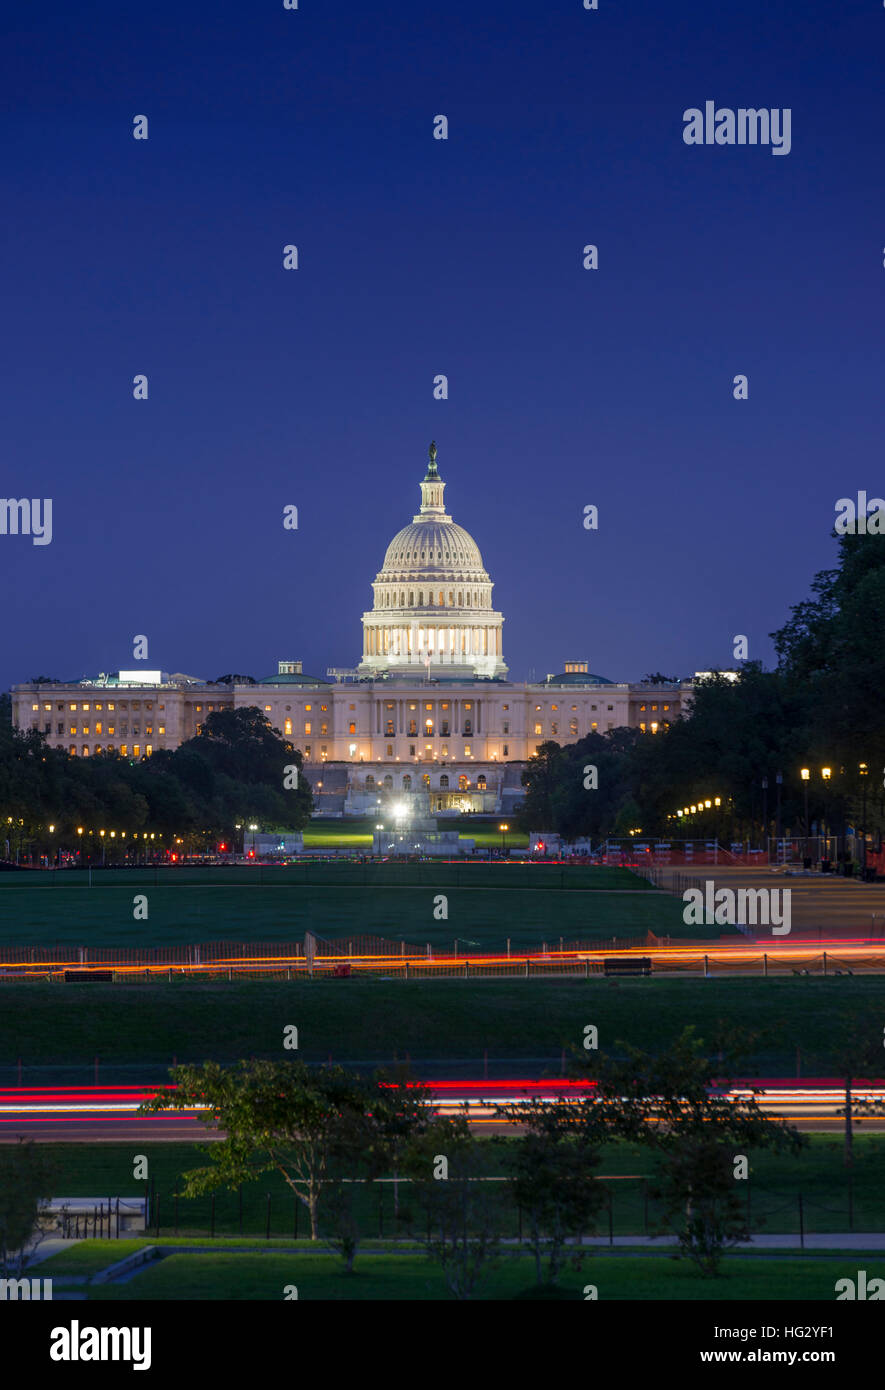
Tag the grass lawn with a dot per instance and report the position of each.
(57, 1030)
(409, 1277)
(487, 904)
(87, 1257)
(358, 834)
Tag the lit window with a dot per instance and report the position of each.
(73, 751)
(538, 729)
(73, 729)
(85, 729)
(136, 750)
(149, 748)
(324, 709)
(287, 727)
(111, 705)
(85, 706)
(72, 706)
(35, 707)
(267, 709)
(85, 750)
(161, 730)
(351, 729)
(308, 729)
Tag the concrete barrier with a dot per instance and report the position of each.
(124, 1266)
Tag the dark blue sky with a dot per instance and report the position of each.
(418, 256)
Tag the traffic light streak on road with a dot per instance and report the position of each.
(808, 1100)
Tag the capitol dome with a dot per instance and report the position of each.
(432, 599)
(433, 545)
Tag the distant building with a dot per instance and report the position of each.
(428, 707)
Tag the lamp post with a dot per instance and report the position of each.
(765, 812)
(805, 774)
(826, 773)
(864, 774)
(503, 829)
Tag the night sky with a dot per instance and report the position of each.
(315, 387)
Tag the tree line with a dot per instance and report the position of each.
(818, 710)
(204, 792)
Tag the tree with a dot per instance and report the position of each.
(277, 1116)
(250, 764)
(553, 1185)
(460, 1213)
(368, 1143)
(678, 1105)
(829, 650)
(26, 1179)
(860, 1057)
(311, 1125)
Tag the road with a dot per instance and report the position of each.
(109, 1114)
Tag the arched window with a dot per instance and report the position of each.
(460, 599)
(441, 601)
(388, 780)
(370, 780)
(462, 782)
(426, 779)
(443, 782)
(407, 783)
(481, 782)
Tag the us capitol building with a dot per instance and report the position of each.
(428, 708)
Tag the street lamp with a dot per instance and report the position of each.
(805, 774)
(503, 829)
(864, 774)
